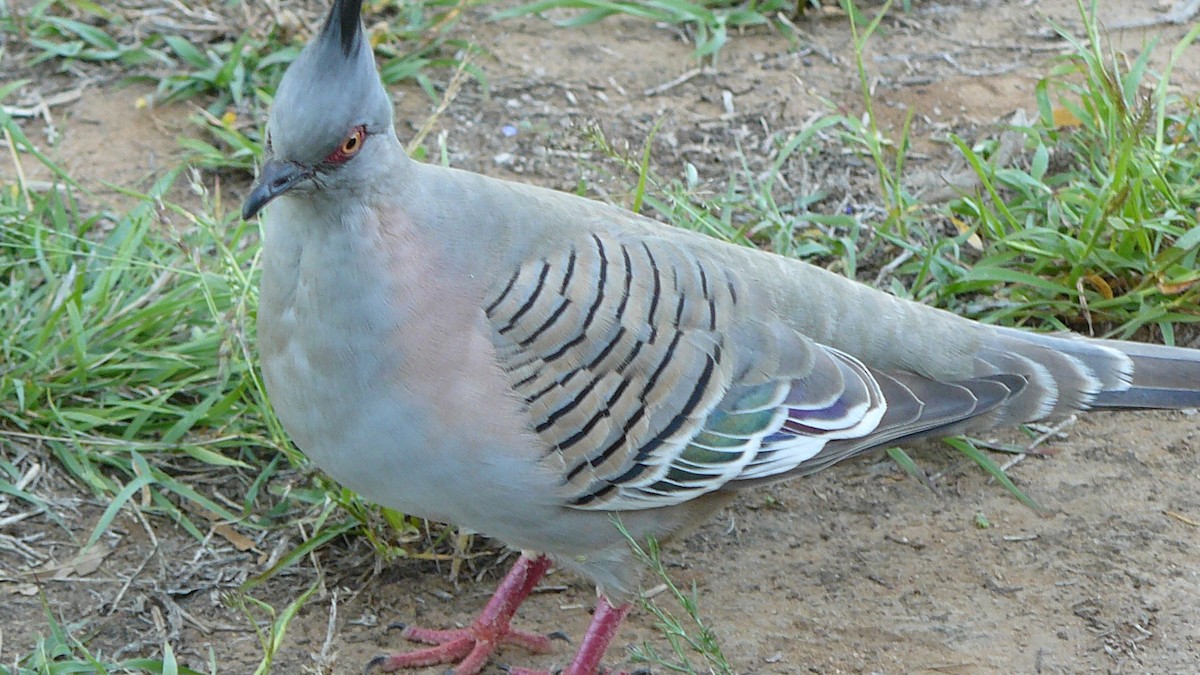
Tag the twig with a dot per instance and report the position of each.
(19, 168)
(810, 43)
(330, 631)
(986, 72)
(1083, 303)
(456, 82)
(686, 77)
(18, 517)
(1051, 432)
(1059, 46)
(129, 582)
(1012, 462)
(40, 107)
(1038, 441)
(111, 442)
(29, 476)
(887, 269)
(31, 556)
(1181, 518)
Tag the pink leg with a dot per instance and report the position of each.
(605, 622)
(471, 647)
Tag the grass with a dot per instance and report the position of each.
(232, 75)
(129, 358)
(60, 651)
(1108, 243)
(129, 343)
(689, 637)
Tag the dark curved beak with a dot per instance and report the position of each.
(275, 178)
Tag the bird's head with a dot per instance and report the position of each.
(329, 115)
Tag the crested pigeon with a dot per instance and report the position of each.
(534, 365)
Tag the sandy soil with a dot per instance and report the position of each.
(860, 569)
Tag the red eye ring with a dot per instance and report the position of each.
(350, 146)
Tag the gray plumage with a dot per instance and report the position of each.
(527, 363)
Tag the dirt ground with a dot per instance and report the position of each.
(860, 569)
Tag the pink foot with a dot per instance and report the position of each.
(470, 648)
(605, 622)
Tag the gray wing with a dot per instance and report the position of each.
(652, 378)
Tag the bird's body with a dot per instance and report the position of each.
(532, 364)
(333, 394)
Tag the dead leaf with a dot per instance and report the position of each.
(26, 589)
(1064, 118)
(87, 561)
(974, 240)
(1177, 287)
(1102, 287)
(240, 541)
(221, 528)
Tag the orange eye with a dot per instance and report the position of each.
(349, 147)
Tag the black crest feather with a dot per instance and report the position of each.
(344, 24)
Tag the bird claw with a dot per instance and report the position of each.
(469, 648)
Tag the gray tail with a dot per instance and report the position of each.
(1162, 377)
(1067, 372)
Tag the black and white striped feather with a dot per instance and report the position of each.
(653, 376)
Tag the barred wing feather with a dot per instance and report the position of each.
(650, 383)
